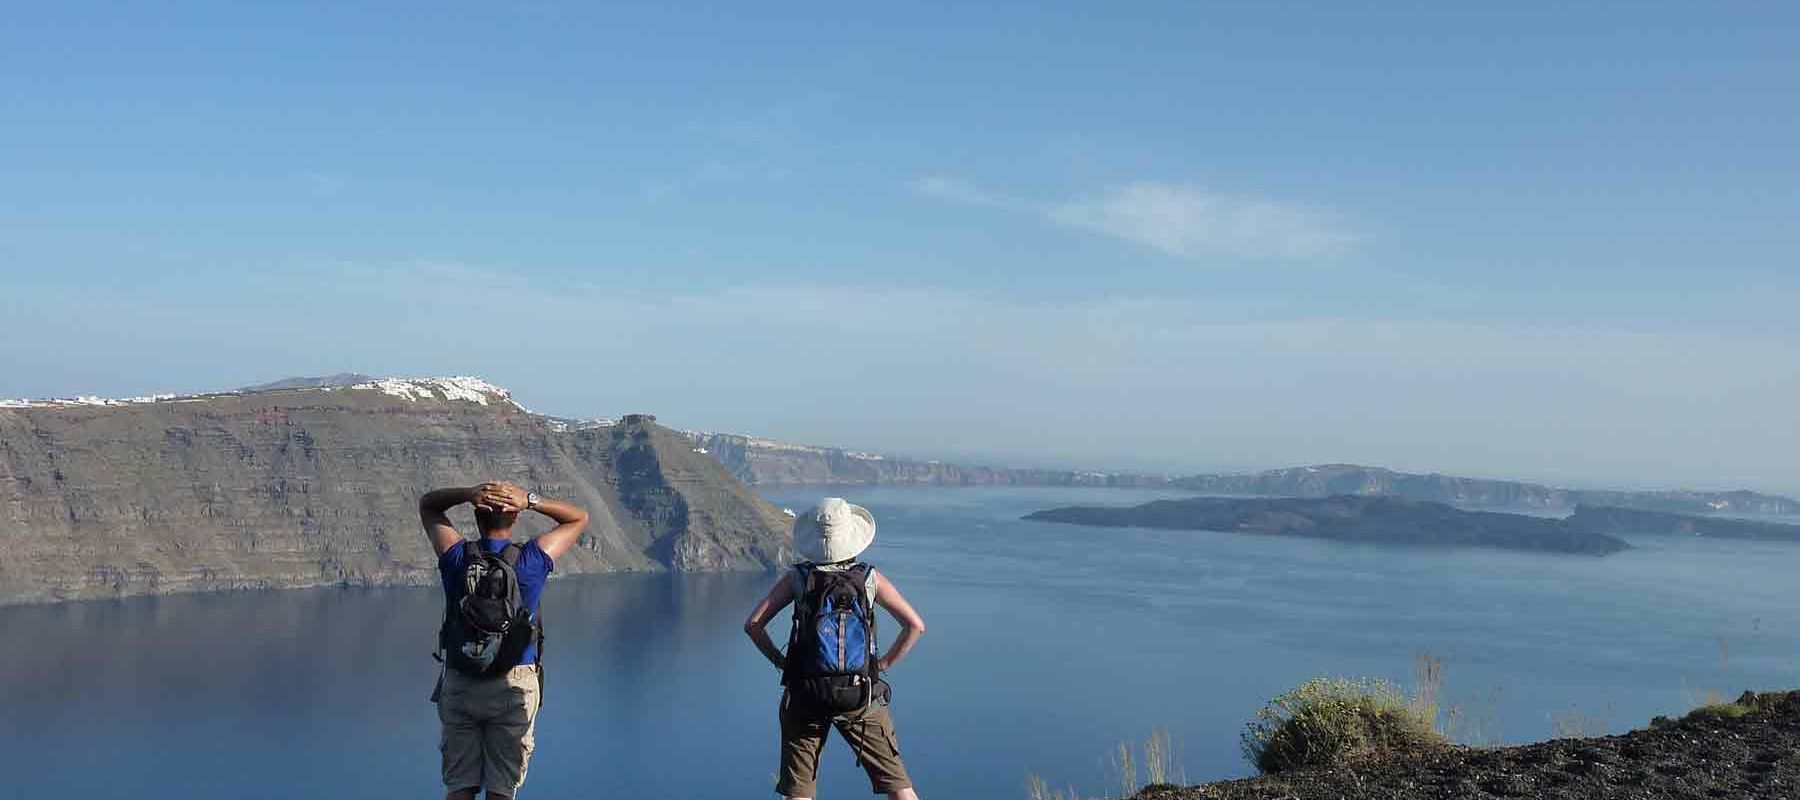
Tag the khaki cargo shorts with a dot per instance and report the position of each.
(487, 729)
(870, 736)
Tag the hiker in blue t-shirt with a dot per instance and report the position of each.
(490, 689)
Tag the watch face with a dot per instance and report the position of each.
(532, 498)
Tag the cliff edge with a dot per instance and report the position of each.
(318, 486)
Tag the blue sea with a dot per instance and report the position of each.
(1047, 646)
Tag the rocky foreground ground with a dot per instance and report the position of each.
(1702, 756)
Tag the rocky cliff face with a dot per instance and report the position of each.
(312, 487)
(765, 461)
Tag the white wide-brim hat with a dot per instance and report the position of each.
(833, 530)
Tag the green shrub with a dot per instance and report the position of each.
(1715, 710)
(1327, 720)
(1719, 711)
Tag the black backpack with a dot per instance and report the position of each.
(487, 629)
(831, 666)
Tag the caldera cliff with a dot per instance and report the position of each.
(318, 486)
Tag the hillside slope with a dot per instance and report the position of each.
(758, 461)
(1750, 757)
(310, 487)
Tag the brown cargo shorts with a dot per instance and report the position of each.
(870, 736)
(487, 726)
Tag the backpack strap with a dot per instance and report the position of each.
(450, 605)
(802, 578)
(866, 572)
(872, 672)
(798, 577)
(510, 554)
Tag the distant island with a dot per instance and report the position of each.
(1349, 518)
(1656, 523)
(1325, 480)
(1397, 520)
(758, 461)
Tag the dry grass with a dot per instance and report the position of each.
(1428, 685)
(1327, 720)
(1037, 789)
(1128, 782)
(1160, 766)
(1701, 697)
(1574, 724)
(1475, 724)
(1159, 758)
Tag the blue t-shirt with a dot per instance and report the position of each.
(534, 568)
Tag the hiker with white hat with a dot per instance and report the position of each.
(832, 668)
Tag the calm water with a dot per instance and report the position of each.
(1047, 645)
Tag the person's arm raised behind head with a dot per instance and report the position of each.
(912, 626)
(756, 627)
(437, 501)
(432, 506)
(571, 520)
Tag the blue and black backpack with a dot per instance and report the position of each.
(831, 666)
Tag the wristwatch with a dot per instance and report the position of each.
(532, 499)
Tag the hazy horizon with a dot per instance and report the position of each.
(1548, 243)
(997, 458)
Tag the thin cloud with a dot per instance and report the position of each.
(945, 187)
(1181, 221)
(1194, 223)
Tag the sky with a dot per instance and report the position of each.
(1524, 240)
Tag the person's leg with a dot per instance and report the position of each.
(460, 742)
(871, 736)
(802, 737)
(508, 737)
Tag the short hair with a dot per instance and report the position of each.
(486, 520)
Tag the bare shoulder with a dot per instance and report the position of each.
(881, 581)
